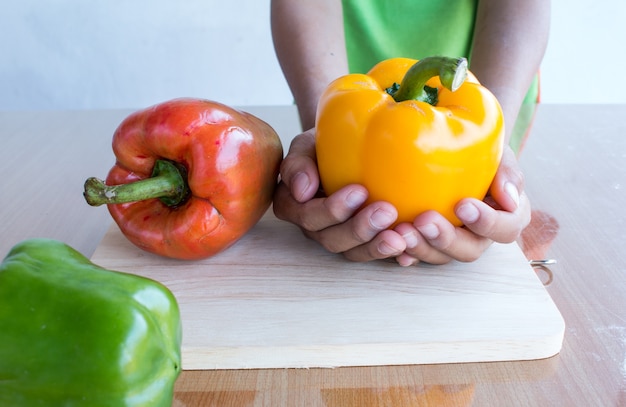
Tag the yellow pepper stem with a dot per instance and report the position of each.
(451, 71)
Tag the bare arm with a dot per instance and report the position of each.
(509, 43)
(310, 45)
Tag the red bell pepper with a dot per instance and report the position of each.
(191, 178)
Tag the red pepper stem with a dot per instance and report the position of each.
(451, 71)
(167, 183)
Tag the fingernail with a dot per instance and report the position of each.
(512, 192)
(381, 219)
(468, 213)
(405, 260)
(301, 183)
(385, 249)
(410, 239)
(355, 199)
(430, 231)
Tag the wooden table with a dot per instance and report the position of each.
(575, 167)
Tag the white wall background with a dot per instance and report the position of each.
(75, 54)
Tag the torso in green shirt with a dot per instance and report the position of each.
(380, 29)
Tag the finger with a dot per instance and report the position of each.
(284, 205)
(459, 243)
(508, 182)
(318, 213)
(384, 245)
(418, 249)
(406, 260)
(360, 229)
(298, 169)
(497, 225)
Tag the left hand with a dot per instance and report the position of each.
(500, 217)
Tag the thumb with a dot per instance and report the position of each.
(299, 168)
(508, 183)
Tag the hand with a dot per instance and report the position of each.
(501, 217)
(336, 222)
(362, 235)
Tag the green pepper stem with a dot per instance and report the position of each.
(451, 71)
(167, 183)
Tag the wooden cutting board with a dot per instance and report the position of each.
(276, 299)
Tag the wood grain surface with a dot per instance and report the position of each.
(276, 299)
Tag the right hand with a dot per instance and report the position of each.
(338, 222)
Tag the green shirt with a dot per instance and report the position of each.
(376, 30)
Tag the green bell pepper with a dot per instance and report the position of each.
(75, 334)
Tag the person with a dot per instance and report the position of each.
(319, 41)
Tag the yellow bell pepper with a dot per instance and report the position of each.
(424, 144)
